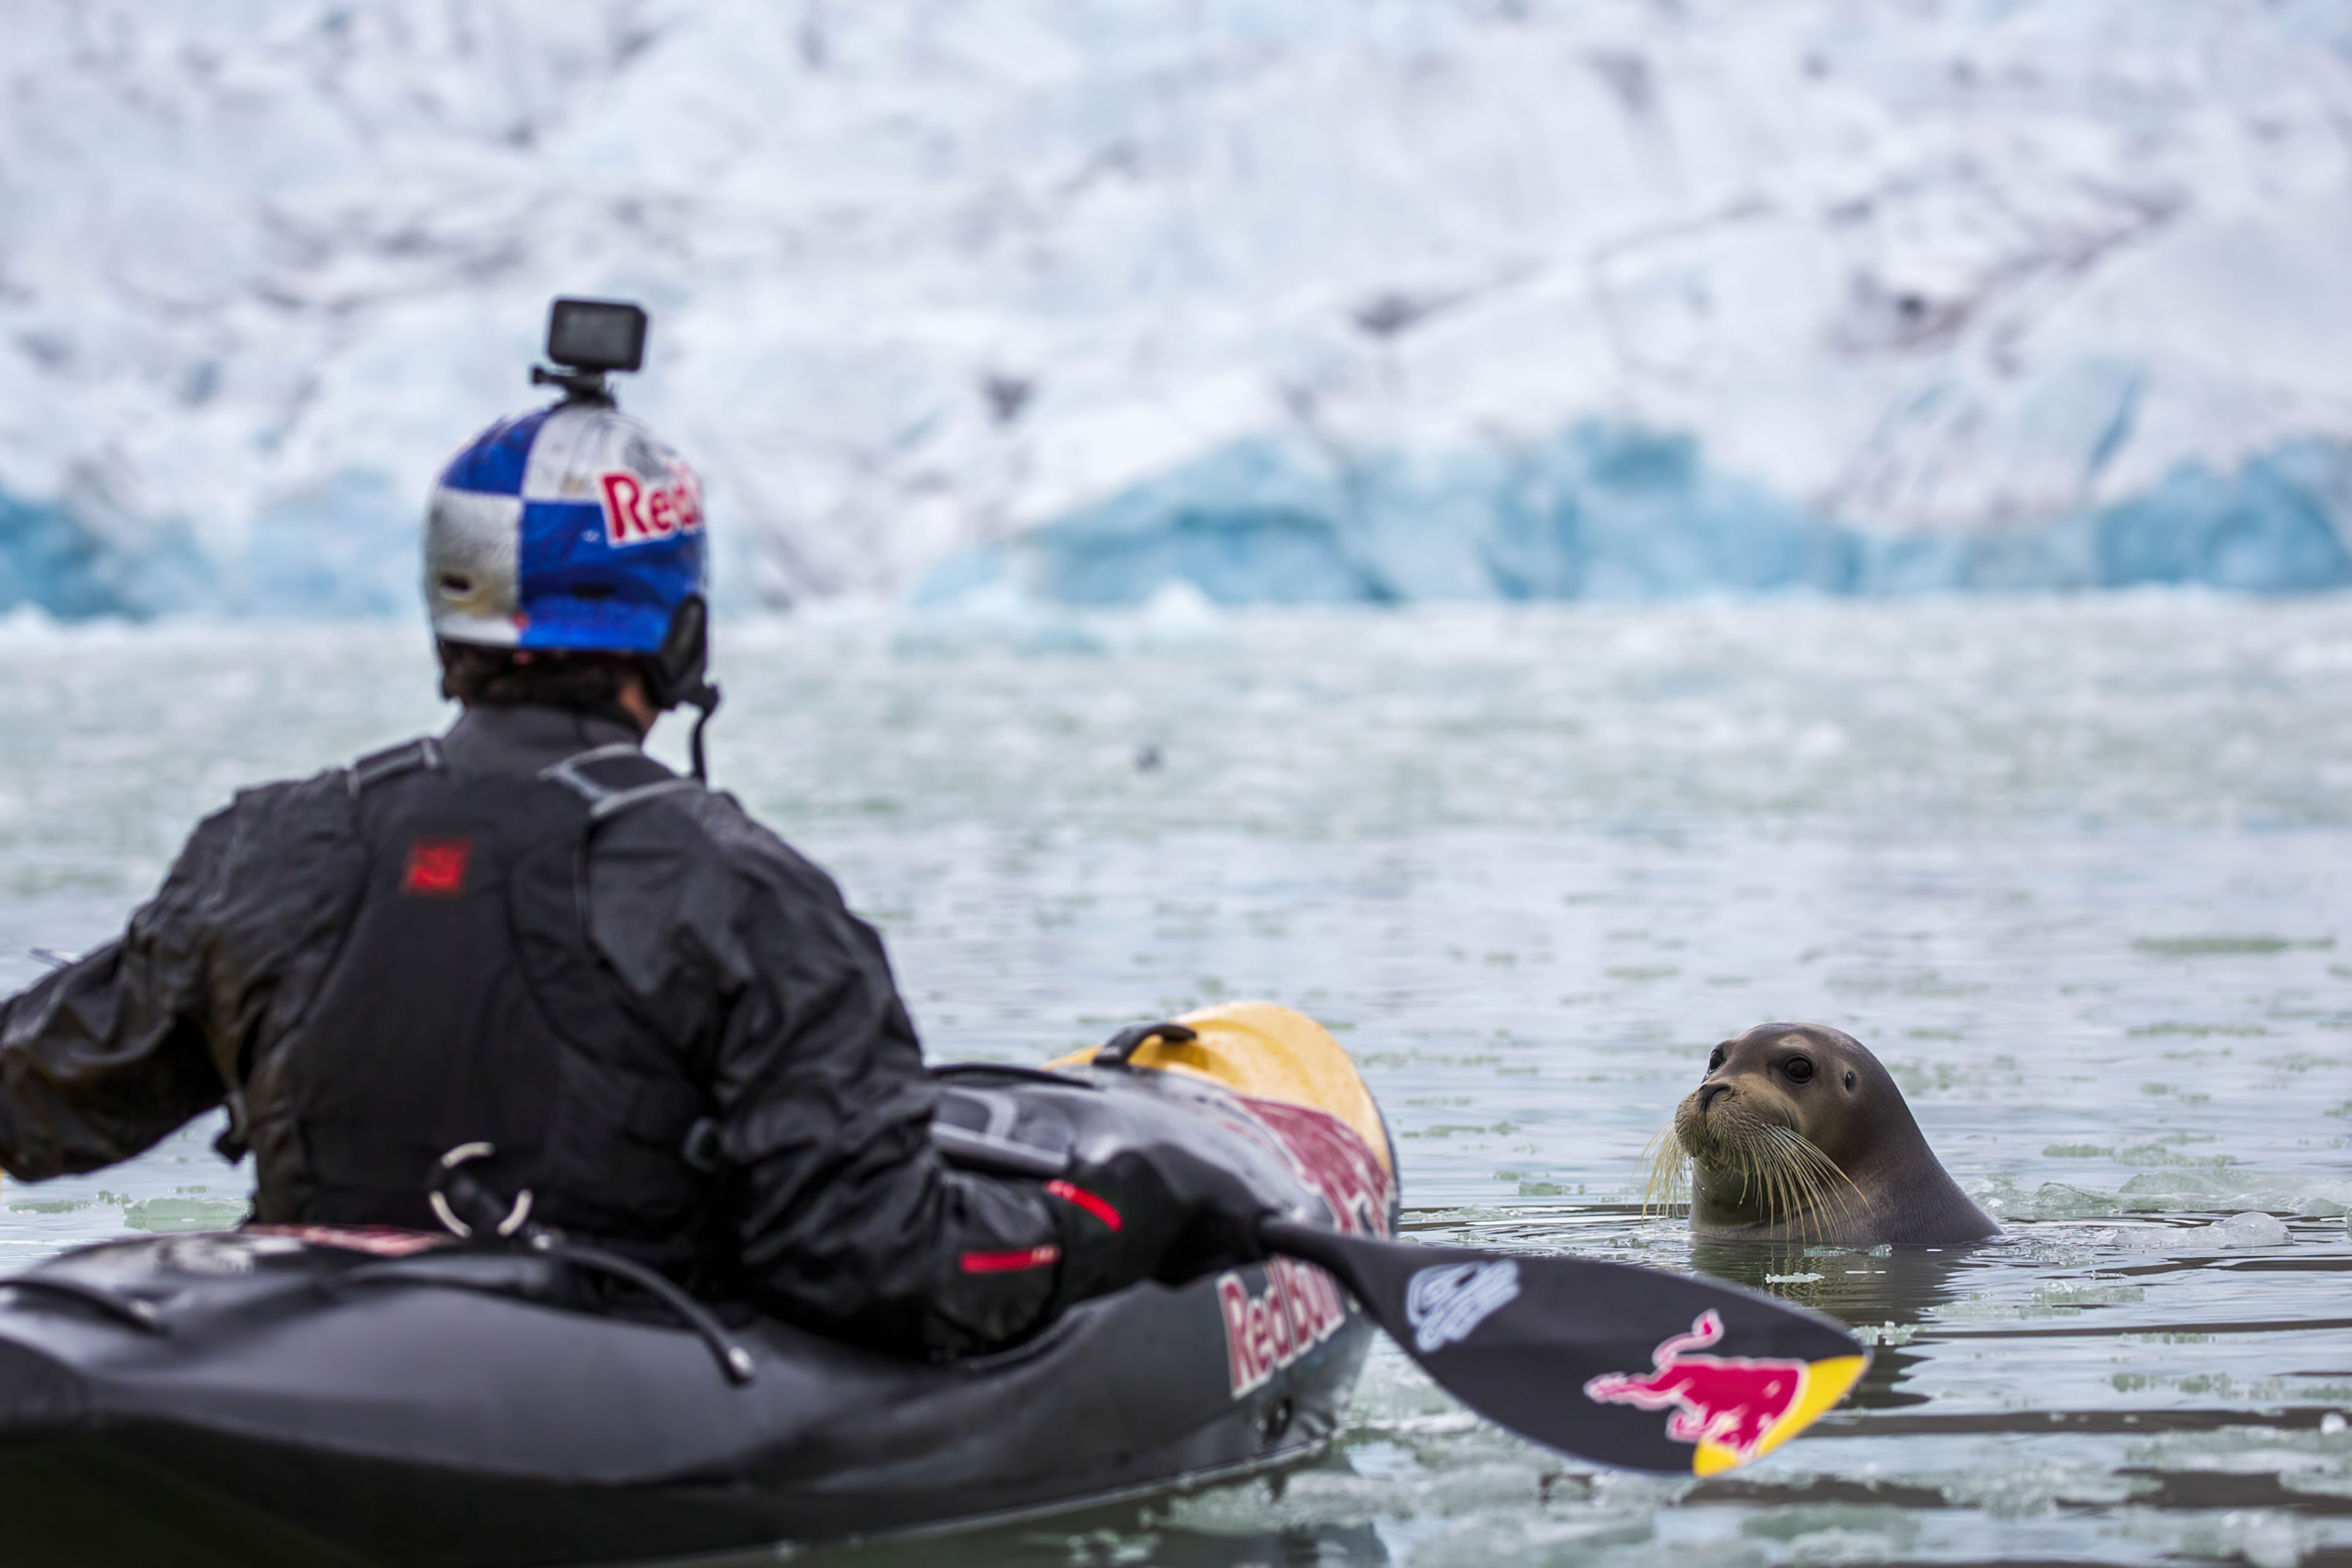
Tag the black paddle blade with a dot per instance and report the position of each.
(1616, 1364)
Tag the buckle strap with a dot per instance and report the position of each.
(619, 801)
(607, 800)
(392, 762)
(567, 771)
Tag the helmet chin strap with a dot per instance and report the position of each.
(705, 701)
(678, 671)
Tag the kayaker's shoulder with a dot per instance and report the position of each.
(751, 848)
(326, 786)
(288, 839)
(322, 802)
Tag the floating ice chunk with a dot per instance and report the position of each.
(2264, 1538)
(2252, 1228)
(1177, 614)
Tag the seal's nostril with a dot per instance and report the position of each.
(1708, 1093)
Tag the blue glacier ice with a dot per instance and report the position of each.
(345, 549)
(1602, 512)
(1617, 512)
(54, 558)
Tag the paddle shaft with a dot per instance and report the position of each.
(1316, 1244)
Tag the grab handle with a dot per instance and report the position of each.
(1117, 1051)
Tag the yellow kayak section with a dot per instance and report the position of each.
(1266, 1051)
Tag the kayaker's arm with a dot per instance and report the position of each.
(103, 1058)
(844, 1218)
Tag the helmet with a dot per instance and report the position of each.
(573, 529)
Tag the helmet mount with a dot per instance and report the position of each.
(589, 339)
(579, 386)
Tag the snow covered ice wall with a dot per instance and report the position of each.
(1297, 299)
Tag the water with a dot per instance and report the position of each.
(2073, 868)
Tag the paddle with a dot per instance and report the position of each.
(1621, 1365)
(1610, 1362)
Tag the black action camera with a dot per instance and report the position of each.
(589, 338)
(596, 334)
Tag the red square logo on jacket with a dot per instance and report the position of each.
(436, 867)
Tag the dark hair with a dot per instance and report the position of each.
(498, 677)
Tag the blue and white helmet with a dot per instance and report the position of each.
(573, 527)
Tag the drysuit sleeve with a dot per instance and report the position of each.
(103, 1058)
(846, 1218)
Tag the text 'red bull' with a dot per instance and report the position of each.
(1301, 1306)
(1299, 1309)
(636, 512)
(1733, 1401)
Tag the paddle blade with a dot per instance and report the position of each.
(1619, 1365)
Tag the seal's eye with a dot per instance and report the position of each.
(1799, 1068)
(1849, 1078)
(1714, 1060)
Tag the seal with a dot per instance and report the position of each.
(1798, 1134)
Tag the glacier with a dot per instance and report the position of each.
(1613, 513)
(1335, 300)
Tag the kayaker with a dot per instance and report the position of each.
(524, 933)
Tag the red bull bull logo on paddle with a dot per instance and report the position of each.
(1731, 1408)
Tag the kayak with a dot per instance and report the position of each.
(318, 1395)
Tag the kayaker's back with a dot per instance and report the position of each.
(467, 1006)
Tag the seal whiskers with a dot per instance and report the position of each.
(1798, 1181)
(1669, 1173)
(1801, 1163)
(1820, 1171)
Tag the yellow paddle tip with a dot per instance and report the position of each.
(1824, 1383)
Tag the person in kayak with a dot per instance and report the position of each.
(641, 1015)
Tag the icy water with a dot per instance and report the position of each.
(2076, 870)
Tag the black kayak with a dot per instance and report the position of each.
(292, 1394)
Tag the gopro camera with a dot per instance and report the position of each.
(596, 334)
(589, 339)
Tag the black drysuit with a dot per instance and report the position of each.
(528, 933)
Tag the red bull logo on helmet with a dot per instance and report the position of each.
(1734, 1404)
(638, 512)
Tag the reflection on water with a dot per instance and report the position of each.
(2072, 870)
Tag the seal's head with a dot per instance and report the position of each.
(1796, 1133)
